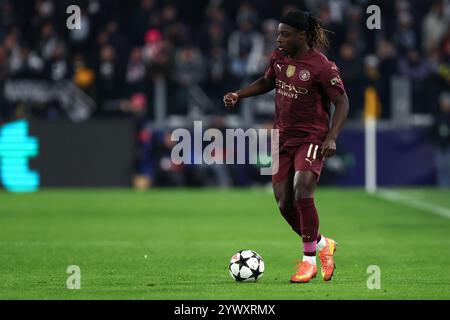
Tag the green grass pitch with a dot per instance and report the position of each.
(176, 244)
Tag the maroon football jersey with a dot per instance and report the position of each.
(303, 87)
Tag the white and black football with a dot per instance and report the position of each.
(246, 265)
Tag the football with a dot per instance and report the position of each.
(246, 265)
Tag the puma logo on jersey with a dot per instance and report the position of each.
(279, 67)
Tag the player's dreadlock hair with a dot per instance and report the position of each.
(304, 21)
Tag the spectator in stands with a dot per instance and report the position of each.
(434, 26)
(355, 26)
(188, 65)
(160, 65)
(439, 58)
(441, 138)
(215, 30)
(172, 27)
(352, 64)
(372, 82)
(48, 41)
(188, 71)
(25, 63)
(166, 173)
(45, 9)
(83, 75)
(136, 74)
(245, 45)
(404, 37)
(444, 66)
(119, 42)
(5, 109)
(108, 76)
(388, 65)
(417, 69)
(270, 33)
(57, 67)
(7, 16)
(136, 106)
(153, 45)
(139, 21)
(3, 66)
(218, 80)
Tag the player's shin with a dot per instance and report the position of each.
(309, 228)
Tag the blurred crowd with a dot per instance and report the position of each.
(124, 47)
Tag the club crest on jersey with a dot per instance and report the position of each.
(290, 71)
(304, 75)
(335, 81)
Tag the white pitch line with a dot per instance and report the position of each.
(413, 203)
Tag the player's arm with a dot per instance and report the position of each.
(260, 86)
(263, 85)
(340, 115)
(334, 88)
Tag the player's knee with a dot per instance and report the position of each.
(303, 189)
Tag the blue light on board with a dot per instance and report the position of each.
(16, 147)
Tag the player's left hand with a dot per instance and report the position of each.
(328, 148)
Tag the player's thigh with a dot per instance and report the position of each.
(308, 167)
(307, 158)
(283, 180)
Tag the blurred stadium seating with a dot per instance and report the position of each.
(162, 64)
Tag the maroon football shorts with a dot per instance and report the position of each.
(305, 157)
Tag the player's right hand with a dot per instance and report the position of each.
(230, 99)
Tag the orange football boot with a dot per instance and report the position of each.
(326, 259)
(305, 272)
